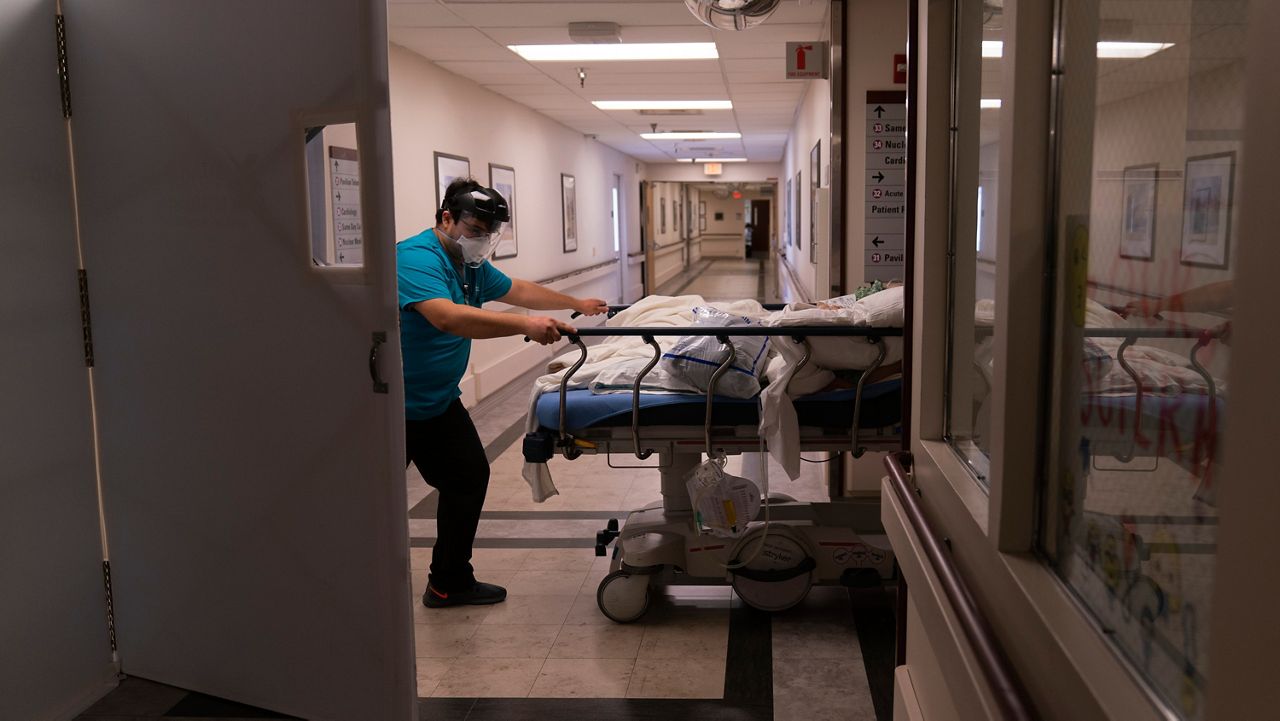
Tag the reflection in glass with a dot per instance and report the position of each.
(1150, 156)
(978, 78)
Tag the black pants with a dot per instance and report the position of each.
(449, 455)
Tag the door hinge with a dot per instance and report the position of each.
(86, 325)
(111, 611)
(64, 79)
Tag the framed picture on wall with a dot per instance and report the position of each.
(503, 180)
(1206, 209)
(795, 217)
(1138, 212)
(448, 169)
(569, 211)
(662, 215)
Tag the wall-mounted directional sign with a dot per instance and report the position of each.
(348, 231)
(884, 224)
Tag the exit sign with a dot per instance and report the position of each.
(807, 61)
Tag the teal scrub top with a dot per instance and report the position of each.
(435, 361)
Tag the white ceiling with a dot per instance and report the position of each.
(469, 38)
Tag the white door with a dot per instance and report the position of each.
(56, 657)
(253, 478)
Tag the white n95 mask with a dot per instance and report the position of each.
(475, 250)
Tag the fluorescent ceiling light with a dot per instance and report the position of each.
(618, 51)
(719, 160)
(691, 136)
(1106, 49)
(1130, 50)
(663, 104)
(989, 103)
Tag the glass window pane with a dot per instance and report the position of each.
(976, 115)
(1148, 192)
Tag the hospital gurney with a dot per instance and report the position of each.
(773, 565)
(1183, 428)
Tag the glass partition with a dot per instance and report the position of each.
(979, 39)
(1150, 154)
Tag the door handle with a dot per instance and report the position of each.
(379, 385)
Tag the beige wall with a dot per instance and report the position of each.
(429, 112)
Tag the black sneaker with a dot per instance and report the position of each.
(481, 594)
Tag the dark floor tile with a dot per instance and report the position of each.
(198, 705)
(135, 697)
(444, 709)
(541, 709)
(875, 618)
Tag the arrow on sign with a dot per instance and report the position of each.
(879, 111)
(877, 242)
(879, 177)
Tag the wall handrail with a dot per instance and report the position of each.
(579, 271)
(1010, 695)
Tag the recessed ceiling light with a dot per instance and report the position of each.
(620, 51)
(663, 104)
(1106, 49)
(678, 135)
(989, 103)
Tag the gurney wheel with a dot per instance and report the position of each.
(623, 597)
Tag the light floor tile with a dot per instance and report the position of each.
(794, 639)
(419, 558)
(452, 615)
(546, 583)
(499, 559)
(820, 689)
(511, 641)
(528, 609)
(489, 677)
(441, 641)
(613, 641)
(430, 671)
(678, 678)
(697, 639)
(583, 678)
(559, 559)
(585, 611)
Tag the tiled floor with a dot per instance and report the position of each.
(547, 651)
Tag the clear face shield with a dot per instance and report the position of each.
(479, 225)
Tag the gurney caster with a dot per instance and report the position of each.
(623, 597)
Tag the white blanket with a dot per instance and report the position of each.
(612, 366)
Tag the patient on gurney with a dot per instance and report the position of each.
(765, 368)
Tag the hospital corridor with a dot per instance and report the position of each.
(720, 360)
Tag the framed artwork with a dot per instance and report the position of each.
(448, 169)
(503, 180)
(1206, 209)
(675, 218)
(795, 217)
(815, 170)
(569, 211)
(1138, 214)
(662, 215)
